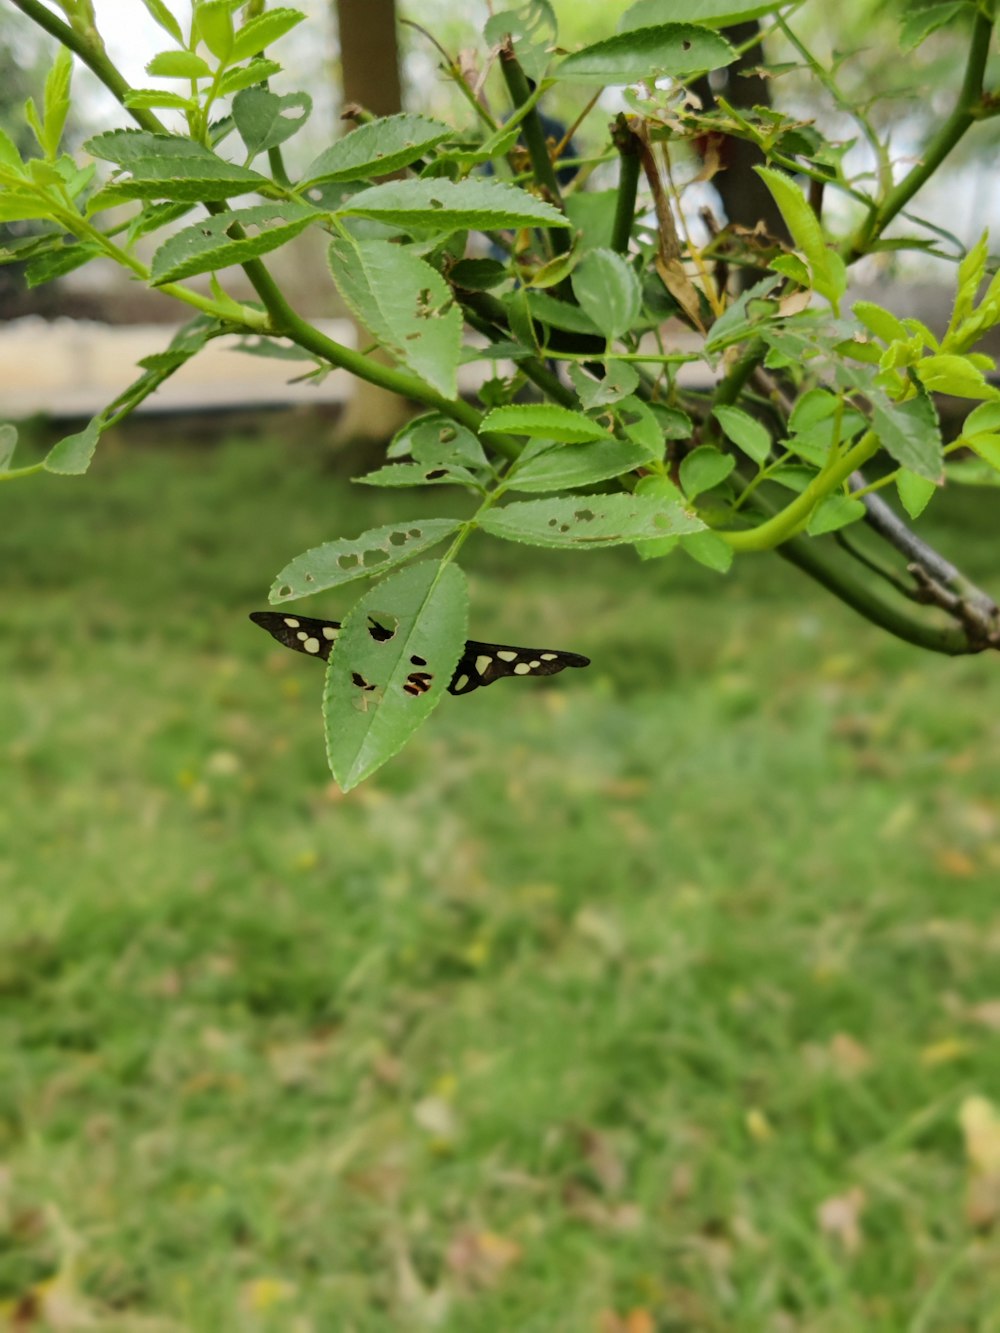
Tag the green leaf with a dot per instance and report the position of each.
(709, 13)
(247, 76)
(377, 149)
(565, 467)
(124, 147)
(791, 266)
(879, 321)
(909, 432)
(453, 205)
(946, 373)
(833, 512)
(405, 303)
(57, 101)
(265, 120)
(704, 468)
(72, 455)
(157, 97)
(436, 439)
(368, 713)
(620, 380)
(19, 207)
(213, 22)
(672, 49)
(57, 263)
(829, 275)
(987, 446)
(708, 549)
(545, 420)
(178, 65)
(664, 490)
(558, 314)
(8, 443)
(188, 177)
(162, 15)
(918, 24)
(745, 314)
(533, 27)
(672, 423)
(350, 558)
(986, 418)
(478, 275)
(914, 491)
(745, 431)
(589, 521)
(10, 158)
(418, 474)
(263, 31)
(206, 247)
(608, 291)
(642, 426)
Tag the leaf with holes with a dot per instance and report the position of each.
(350, 558)
(670, 49)
(377, 149)
(608, 291)
(591, 521)
(564, 468)
(207, 246)
(442, 205)
(395, 655)
(435, 439)
(265, 120)
(405, 303)
(420, 474)
(532, 26)
(546, 421)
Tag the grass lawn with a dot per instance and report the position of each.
(643, 1001)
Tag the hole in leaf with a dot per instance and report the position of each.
(309, 578)
(685, 45)
(418, 661)
(315, 195)
(397, 538)
(414, 532)
(553, 522)
(584, 516)
(360, 681)
(374, 556)
(381, 633)
(284, 591)
(435, 473)
(348, 560)
(436, 203)
(417, 683)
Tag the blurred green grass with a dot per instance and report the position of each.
(644, 1000)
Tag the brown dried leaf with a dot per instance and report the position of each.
(987, 1012)
(480, 1258)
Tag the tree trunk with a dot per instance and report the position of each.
(369, 62)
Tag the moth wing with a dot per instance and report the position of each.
(483, 663)
(305, 634)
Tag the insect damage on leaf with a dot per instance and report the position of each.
(480, 664)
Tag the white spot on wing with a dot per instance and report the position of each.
(330, 632)
(311, 645)
(549, 657)
(484, 662)
(461, 683)
(291, 622)
(521, 669)
(534, 665)
(507, 656)
(302, 636)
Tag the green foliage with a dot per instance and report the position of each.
(579, 301)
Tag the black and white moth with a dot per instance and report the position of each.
(480, 663)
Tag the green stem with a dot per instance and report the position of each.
(534, 138)
(22, 471)
(965, 112)
(777, 530)
(628, 183)
(805, 554)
